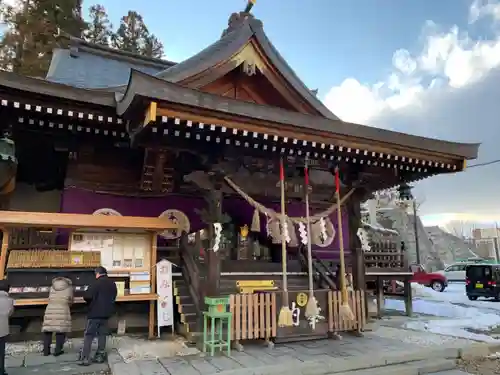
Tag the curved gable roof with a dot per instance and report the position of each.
(228, 45)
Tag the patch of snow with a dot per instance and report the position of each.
(463, 315)
(379, 228)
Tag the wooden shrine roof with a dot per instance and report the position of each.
(243, 27)
(81, 221)
(10, 83)
(142, 88)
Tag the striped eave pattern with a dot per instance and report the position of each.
(177, 127)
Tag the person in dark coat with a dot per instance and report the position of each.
(100, 298)
(57, 317)
(6, 310)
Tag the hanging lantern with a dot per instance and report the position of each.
(404, 191)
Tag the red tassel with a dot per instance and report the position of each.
(282, 172)
(306, 176)
(337, 180)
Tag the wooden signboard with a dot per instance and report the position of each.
(301, 326)
(119, 251)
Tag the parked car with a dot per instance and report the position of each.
(434, 280)
(455, 271)
(482, 280)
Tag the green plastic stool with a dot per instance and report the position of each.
(217, 314)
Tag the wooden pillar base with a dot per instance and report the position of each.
(408, 296)
(380, 297)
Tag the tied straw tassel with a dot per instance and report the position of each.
(255, 227)
(285, 318)
(345, 310)
(312, 309)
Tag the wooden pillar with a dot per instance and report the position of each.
(212, 259)
(380, 296)
(152, 267)
(408, 297)
(353, 206)
(4, 252)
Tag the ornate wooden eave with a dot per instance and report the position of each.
(46, 104)
(18, 86)
(244, 44)
(184, 106)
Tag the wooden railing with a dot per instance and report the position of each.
(385, 257)
(321, 270)
(357, 304)
(254, 316)
(191, 272)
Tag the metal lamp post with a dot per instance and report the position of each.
(405, 194)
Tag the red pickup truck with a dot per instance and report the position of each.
(433, 280)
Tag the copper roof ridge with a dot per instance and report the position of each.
(110, 52)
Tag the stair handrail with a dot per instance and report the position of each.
(191, 272)
(319, 266)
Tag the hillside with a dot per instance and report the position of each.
(449, 247)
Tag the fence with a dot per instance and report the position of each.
(254, 316)
(357, 304)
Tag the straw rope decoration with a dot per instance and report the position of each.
(285, 318)
(345, 310)
(312, 309)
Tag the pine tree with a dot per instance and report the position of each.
(152, 47)
(32, 33)
(99, 29)
(129, 35)
(133, 36)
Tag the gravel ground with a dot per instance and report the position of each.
(480, 366)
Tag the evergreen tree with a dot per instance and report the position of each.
(99, 29)
(32, 31)
(133, 36)
(130, 33)
(152, 47)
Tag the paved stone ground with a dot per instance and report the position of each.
(34, 363)
(383, 341)
(139, 357)
(26, 358)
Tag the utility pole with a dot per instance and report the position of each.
(495, 244)
(415, 229)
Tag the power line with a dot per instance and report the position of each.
(484, 164)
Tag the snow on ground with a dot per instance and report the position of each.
(460, 314)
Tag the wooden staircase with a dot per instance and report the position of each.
(190, 318)
(189, 291)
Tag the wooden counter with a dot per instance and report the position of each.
(126, 298)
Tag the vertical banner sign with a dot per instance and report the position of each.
(165, 305)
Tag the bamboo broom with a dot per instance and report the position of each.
(312, 305)
(345, 310)
(285, 315)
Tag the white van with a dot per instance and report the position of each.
(456, 271)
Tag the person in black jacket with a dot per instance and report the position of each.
(100, 298)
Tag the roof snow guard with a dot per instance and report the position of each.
(188, 108)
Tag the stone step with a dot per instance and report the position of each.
(186, 308)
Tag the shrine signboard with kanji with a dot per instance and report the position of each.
(119, 251)
(165, 294)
